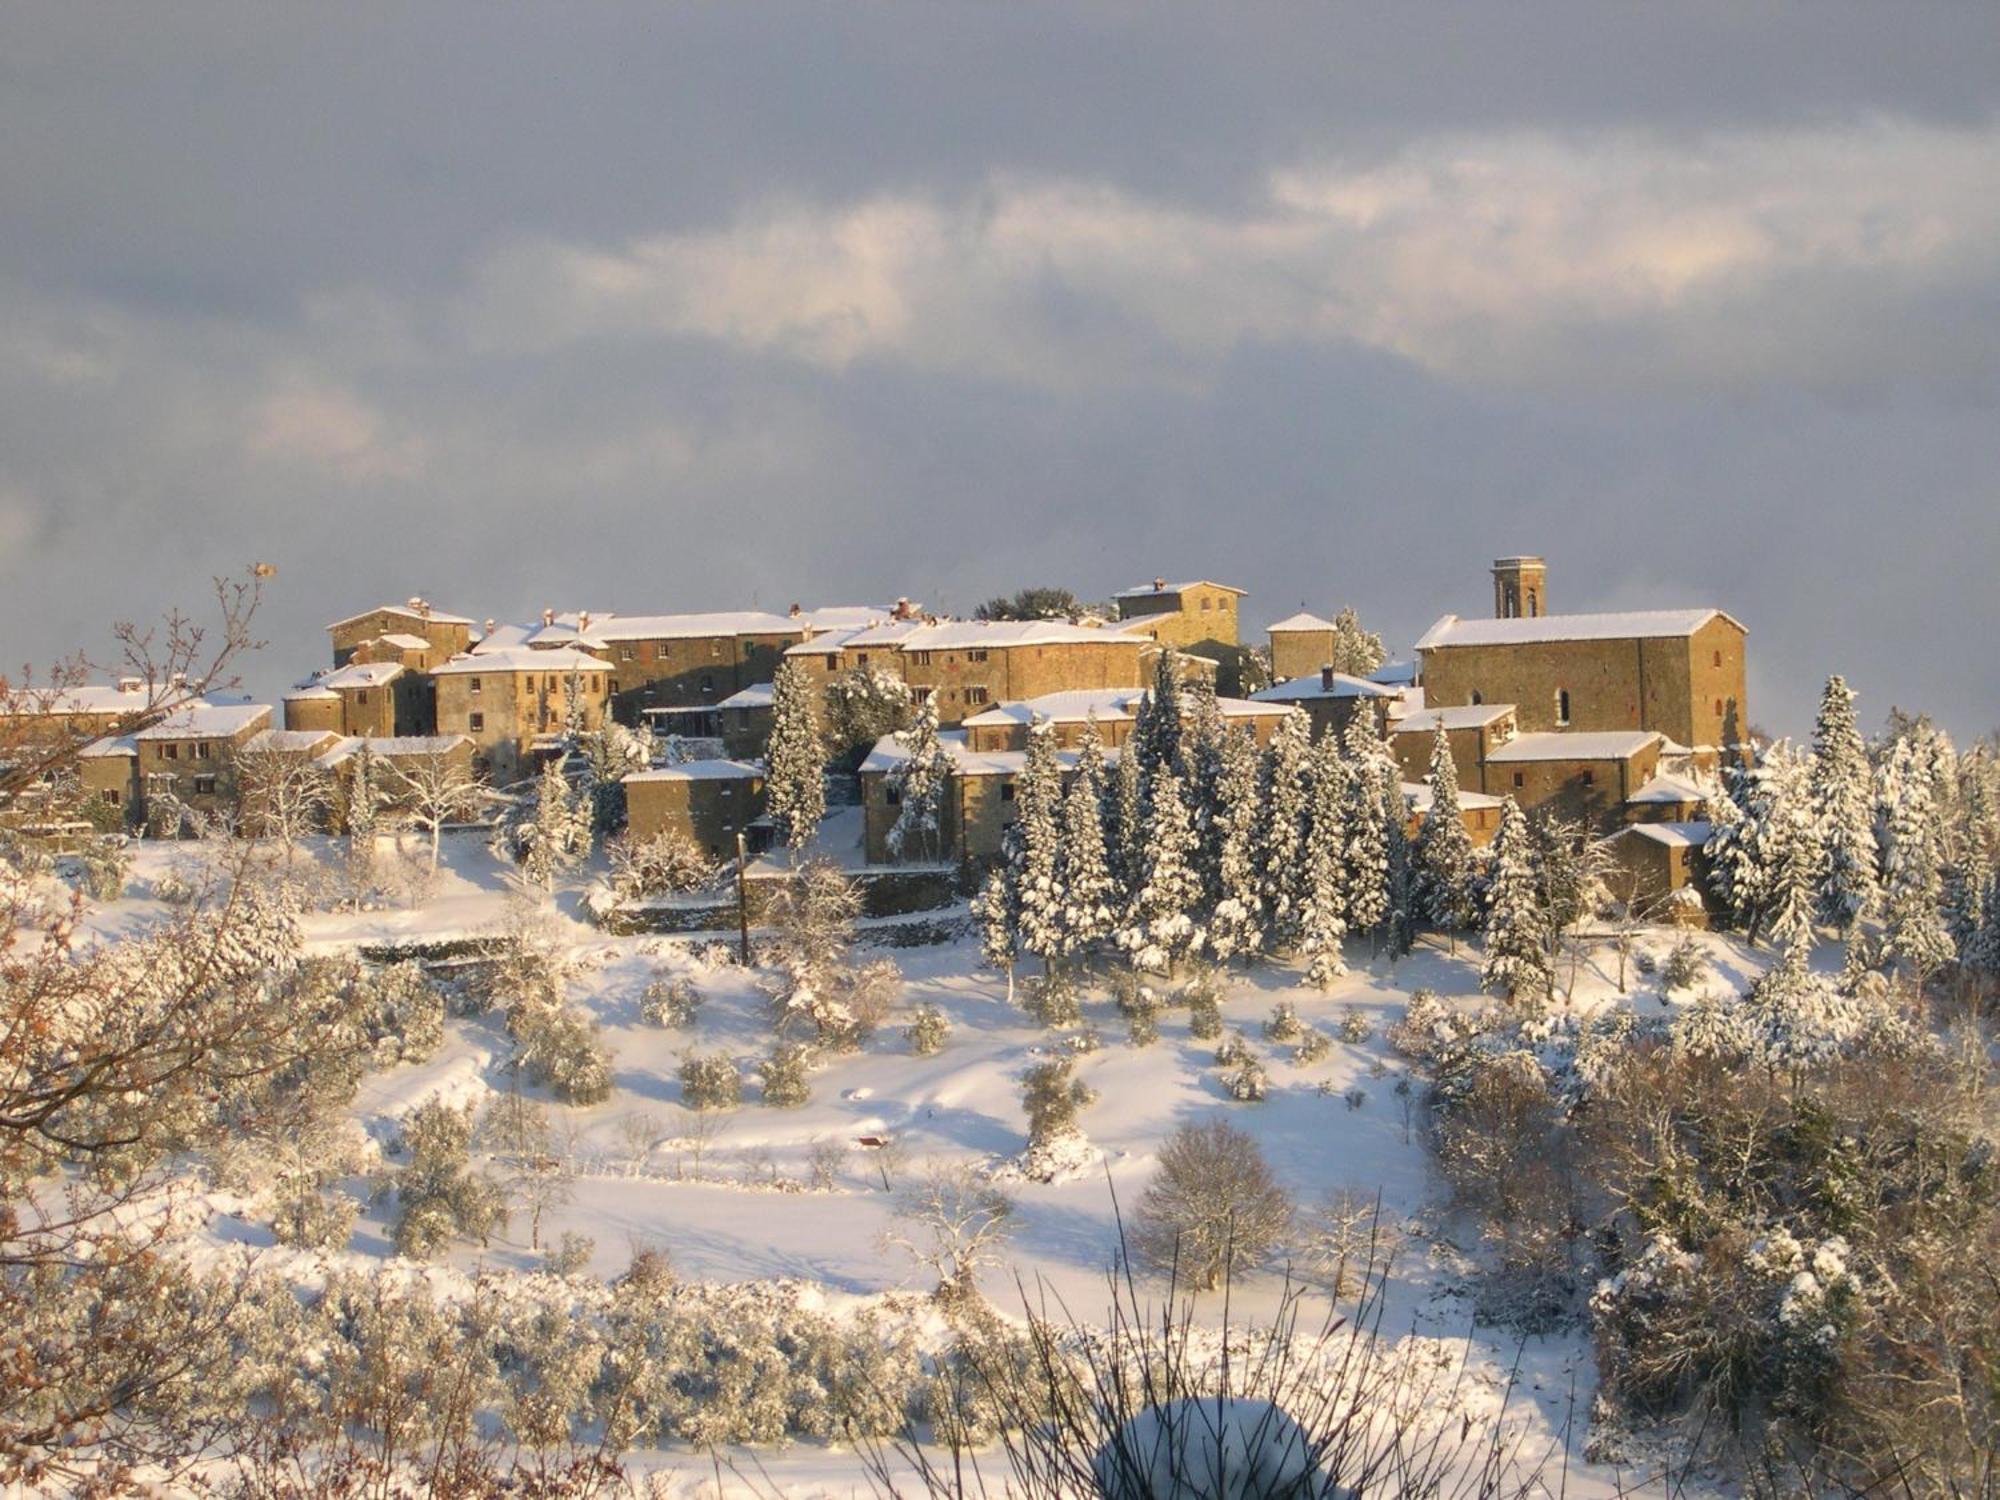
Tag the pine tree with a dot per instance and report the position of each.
(1038, 797)
(999, 917)
(1236, 925)
(919, 781)
(1789, 847)
(361, 807)
(1400, 885)
(1090, 893)
(1322, 911)
(1842, 802)
(795, 758)
(1157, 730)
(1982, 953)
(557, 835)
(1160, 927)
(1734, 874)
(1443, 854)
(1913, 924)
(1283, 793)
(1367, 853)
(1517, 961)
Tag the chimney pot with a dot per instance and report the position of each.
(548, 617)
(1159, 585)
(1326, 678)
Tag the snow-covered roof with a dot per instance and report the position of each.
(130, 697)
(524, 659)
(1315, 685)
(757, 695)
(311, 691)
(1674, 835)
(700, 770)
(1669, 789)
(201, 721)
(888, 633)
(889, 752)
(826, 642)
(842, 616)
(1147, 590)
(1401, 674)
(1460, 716)
(1418, 795)
(1300, 621)
(1078, 704)
(389, 747)
(404, 642)
(681, 627)
(961, 635)
(565, 633)
(1602, 744)
(1638, 624)
(437, 616)
(362, 674)
(504, 638)
(113, 746)
(291, 741)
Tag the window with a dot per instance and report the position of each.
(1718, 658)
(1718, 708)
(1562, 705)
(361, 696)
(110, 796)
(1520, 778)
(474, 689)
(1006, 791)
(707, 683)
(477, 722)
(892, 795)
(1204, 606)
(975, 695)
(204, 786)
(201, 749)
(170, 752)
(1475, 699)
(626, 653)
(1590, 778)
(979, 655)
(923, 658)
(715, 648)
(832, 663)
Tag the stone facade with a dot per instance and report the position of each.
(447, 635)
(690, 661)
(706, 801)
(513, 702)
(1330, 699)
(191, 754)
(1188, 616)
(1588, 777)
(1661, 868)
(1300, 645)
(1473, 734)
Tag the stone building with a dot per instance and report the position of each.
(744, 719)
(369, 698)
(409, 753)
(515, 703)
(1300, 645)
(1661, 868)
(1198, 618)
(1331, 699)
(1587, 776)
(708, 802)
(443, 636)
(1473, 732)
(1679, 673)
(1005, 726)
(83, 711)
(693, 660)
(191, 753)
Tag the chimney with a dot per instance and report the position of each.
(902, 609)
(1159, 585)
(548, 617)
(1326, 678)
(490, 627)
(582, 621)
(796, 611)
(131, 684)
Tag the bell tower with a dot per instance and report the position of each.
(1520, 588)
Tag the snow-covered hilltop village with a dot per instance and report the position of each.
(1083, 1048)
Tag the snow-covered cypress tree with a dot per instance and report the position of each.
(1735, 877)
(1283, 792)
(919, 781)
(1356, 652)
(1039, 892)
(1160, 927)
(1158, 732)
(1125, 820)
(1399, 888)
(795, 758)
(1789, 847)
(1842, 799)
(557, 834)
(1444, 849)
(361, 807)
(1236, 925)
(1322, 909)
(1516, 963)
(1914, 932)
(1367, 854)
(1090, 893)
(999, 919)
(1982, 953)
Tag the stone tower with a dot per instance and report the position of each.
(1520, 588)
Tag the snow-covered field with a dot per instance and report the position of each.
(1349, 1121)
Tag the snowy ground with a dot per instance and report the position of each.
(961, 1104)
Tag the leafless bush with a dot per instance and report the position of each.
(1213, 1208)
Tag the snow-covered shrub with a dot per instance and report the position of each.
(711, 1082)
(562, 1050)
(671, 1002)
(1130, 992)
(817, 986)
(1213, 1208)
(928, 1030)
(1644, 961)
(1686, 963)
(1079, 1043)
(1313, 1046)
(1284, 1025)
(106, 863)
(667, 864)
(1204, 1016)
(825, 1157)
(571, 1254)
(1356, 1096)
(1247, 1082)
(438, 1196)
(786, 1073)
(404, 1012)
(1142, 1026)
(1235, 1049)
(1052, 1097)
(1346, 1240)
(1052, 999)
(306, 1218)
(1355, 1027)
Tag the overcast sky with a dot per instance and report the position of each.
(680, 307)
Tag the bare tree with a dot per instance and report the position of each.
(284, 793)
(953, 1222)
(1213, 1208)
(436, 788)
(1343, 1239)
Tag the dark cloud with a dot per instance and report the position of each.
(645, 309)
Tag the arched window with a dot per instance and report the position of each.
(1476, 699)
(1534, 604)
(1562, 705)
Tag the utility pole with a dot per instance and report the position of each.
(742, 902)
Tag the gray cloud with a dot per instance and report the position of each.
(647, 310)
